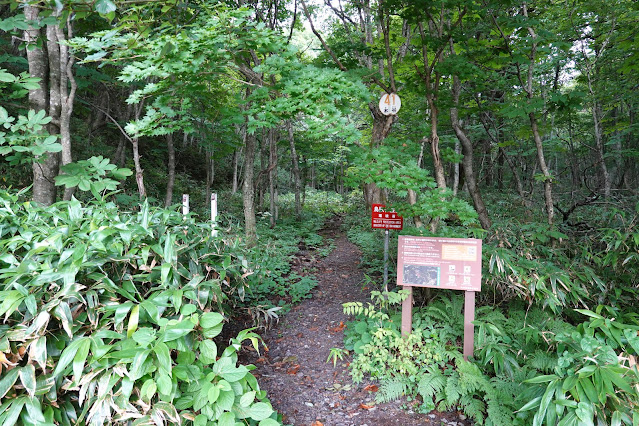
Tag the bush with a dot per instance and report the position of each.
(110, 317)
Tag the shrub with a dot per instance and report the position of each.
(110, 317)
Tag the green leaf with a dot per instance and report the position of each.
(585, 412)
(260, 411)
(104, 7)
(80, 358)
(214, 393)
(165, 385)
(7, 77)
(210, 319)
(148, 389)
(67, 356)
(28, 379)
(208, 351)
(7, 381)
(269, 422)
(175, 331)
(247, 399)
(226, 419)
(163, 356)
(133, 321)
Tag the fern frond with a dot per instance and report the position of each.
(473, 408)
(499, 415)
(543, 361)
(431, 383)
(391, 390)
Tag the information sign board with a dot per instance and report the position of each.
(447, 263)
(381, 219)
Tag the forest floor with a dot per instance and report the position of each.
(299, 381)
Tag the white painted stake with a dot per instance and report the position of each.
(214, 214)
(185, 204)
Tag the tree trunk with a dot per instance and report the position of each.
(170, 170)
(272, 176)
(139, 172)
(381, 128)
(295, 168)
(467, 149)
(248, 191)
(236, 161)
(605, 175)
(45, 169)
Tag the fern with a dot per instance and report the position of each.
(391, 390)
(473, 408)
(431, 383)
(543, 361)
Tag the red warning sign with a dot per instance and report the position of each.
(381, 219)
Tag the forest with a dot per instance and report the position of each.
(517, 126)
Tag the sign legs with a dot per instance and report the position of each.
(469, 328)
(407, 312)
(386, 260)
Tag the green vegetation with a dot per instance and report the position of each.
(518, 126)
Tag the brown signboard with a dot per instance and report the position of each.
(447, 263)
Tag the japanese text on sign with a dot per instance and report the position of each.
(447, 263)
(381, 219)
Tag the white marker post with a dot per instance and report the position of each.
(185, 204)
(213, 214)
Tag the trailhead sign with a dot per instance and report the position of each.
(447, 263)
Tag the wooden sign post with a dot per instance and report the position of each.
(446, 263)
(381, 219)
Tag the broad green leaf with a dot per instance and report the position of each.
(260, 411)
(165, 385)
(28, 379)
(585, 412)
(247, 399)
(133, 321)
(269, 422)
(213, 393)
(80, 358)
(208, 351)
(104, 7)
(38, 351)
(163, 356)
(226, 419)
(225, 400)
(148, 389)
(175, 331)
(67, 356)
(210, 320)
(135, 371)
(7, 381)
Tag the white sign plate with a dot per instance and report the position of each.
(390, 104)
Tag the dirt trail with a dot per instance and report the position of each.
(300, 383)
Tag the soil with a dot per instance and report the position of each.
(300, 383)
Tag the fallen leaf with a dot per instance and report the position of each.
(313, 329)
(260, 360)
(371, 388)
(317, 423)
(293, 370)
(365, 407)
(339, 328)
(299, 335)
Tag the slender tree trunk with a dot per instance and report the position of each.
(67, 97)
(467, 149)
(295, 168)
(248, 191)
(381, 128)
(170, 170)
(139, 172)
(272, 176)
(456, 169)
(236, 161)
(45, 169)
(605, 175)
